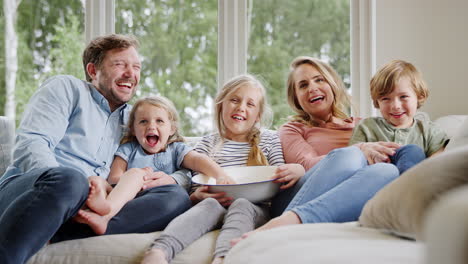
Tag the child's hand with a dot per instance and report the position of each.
(224, 179)
(376, 152)
(203, 192)
(289, 174)
(157, 178)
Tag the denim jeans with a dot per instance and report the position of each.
(284, 197)
(35, 205)
(336, 188)
(407, 156)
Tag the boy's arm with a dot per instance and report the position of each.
(119, 166)
(201, 163)
(436, 140)
(365, 138)
(438, 151)
(358, 135)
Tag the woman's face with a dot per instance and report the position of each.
(313, 92)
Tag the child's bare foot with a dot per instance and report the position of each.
(218, 261)
(97, 222)
(287, 218)
(154, 256)
(97, 199)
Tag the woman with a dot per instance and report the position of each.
(339, 179)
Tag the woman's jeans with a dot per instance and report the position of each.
(35, 206)
(336, 188)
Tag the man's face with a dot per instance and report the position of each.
(118, 76)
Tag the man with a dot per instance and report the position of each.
(70, 131)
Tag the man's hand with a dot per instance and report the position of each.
(203, 192)
(157, 178)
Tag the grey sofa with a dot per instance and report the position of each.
(311, 243)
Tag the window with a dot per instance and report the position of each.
(179, 54)
(189, 48)
(50, 37)
(179, 47)
(282, 30)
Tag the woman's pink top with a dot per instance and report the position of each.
(307, 145)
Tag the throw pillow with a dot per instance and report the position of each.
(400, 206)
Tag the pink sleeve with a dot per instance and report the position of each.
(296, 149)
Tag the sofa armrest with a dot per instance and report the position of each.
(7, 137)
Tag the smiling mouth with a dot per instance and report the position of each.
(397, 115)
(127, 84)
(316, 99)
(237, 117)
(152, 140)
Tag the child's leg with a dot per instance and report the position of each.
(129, 185)
(185, 229)
(97, 195)
(407, 156)
(242, 216)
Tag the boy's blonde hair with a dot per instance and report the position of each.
(385, 79)
(161, 102)
(256, 156)
(341, 104)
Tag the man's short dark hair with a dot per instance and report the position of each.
(96, 50)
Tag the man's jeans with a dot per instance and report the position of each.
(35, 206)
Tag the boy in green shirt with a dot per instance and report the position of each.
(398, 90)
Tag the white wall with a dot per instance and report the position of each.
(433, 35)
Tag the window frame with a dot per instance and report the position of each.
(233, 42)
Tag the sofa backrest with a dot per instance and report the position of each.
(7, 138)
(449, 123)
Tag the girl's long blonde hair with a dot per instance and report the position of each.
(342, 102)
(256, 156)
(158, 101)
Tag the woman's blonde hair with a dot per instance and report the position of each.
(341, 104)
(161, 102)
(256, 156)
(384, 81)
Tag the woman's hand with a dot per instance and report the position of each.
(289, 174)
(203, 192)
(376, 152)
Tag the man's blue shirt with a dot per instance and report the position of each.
(68, 123)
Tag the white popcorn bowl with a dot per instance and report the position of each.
(253, 183)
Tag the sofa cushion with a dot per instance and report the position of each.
(7, 136)
(120, 249)
(400, 206)
(324, 243)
